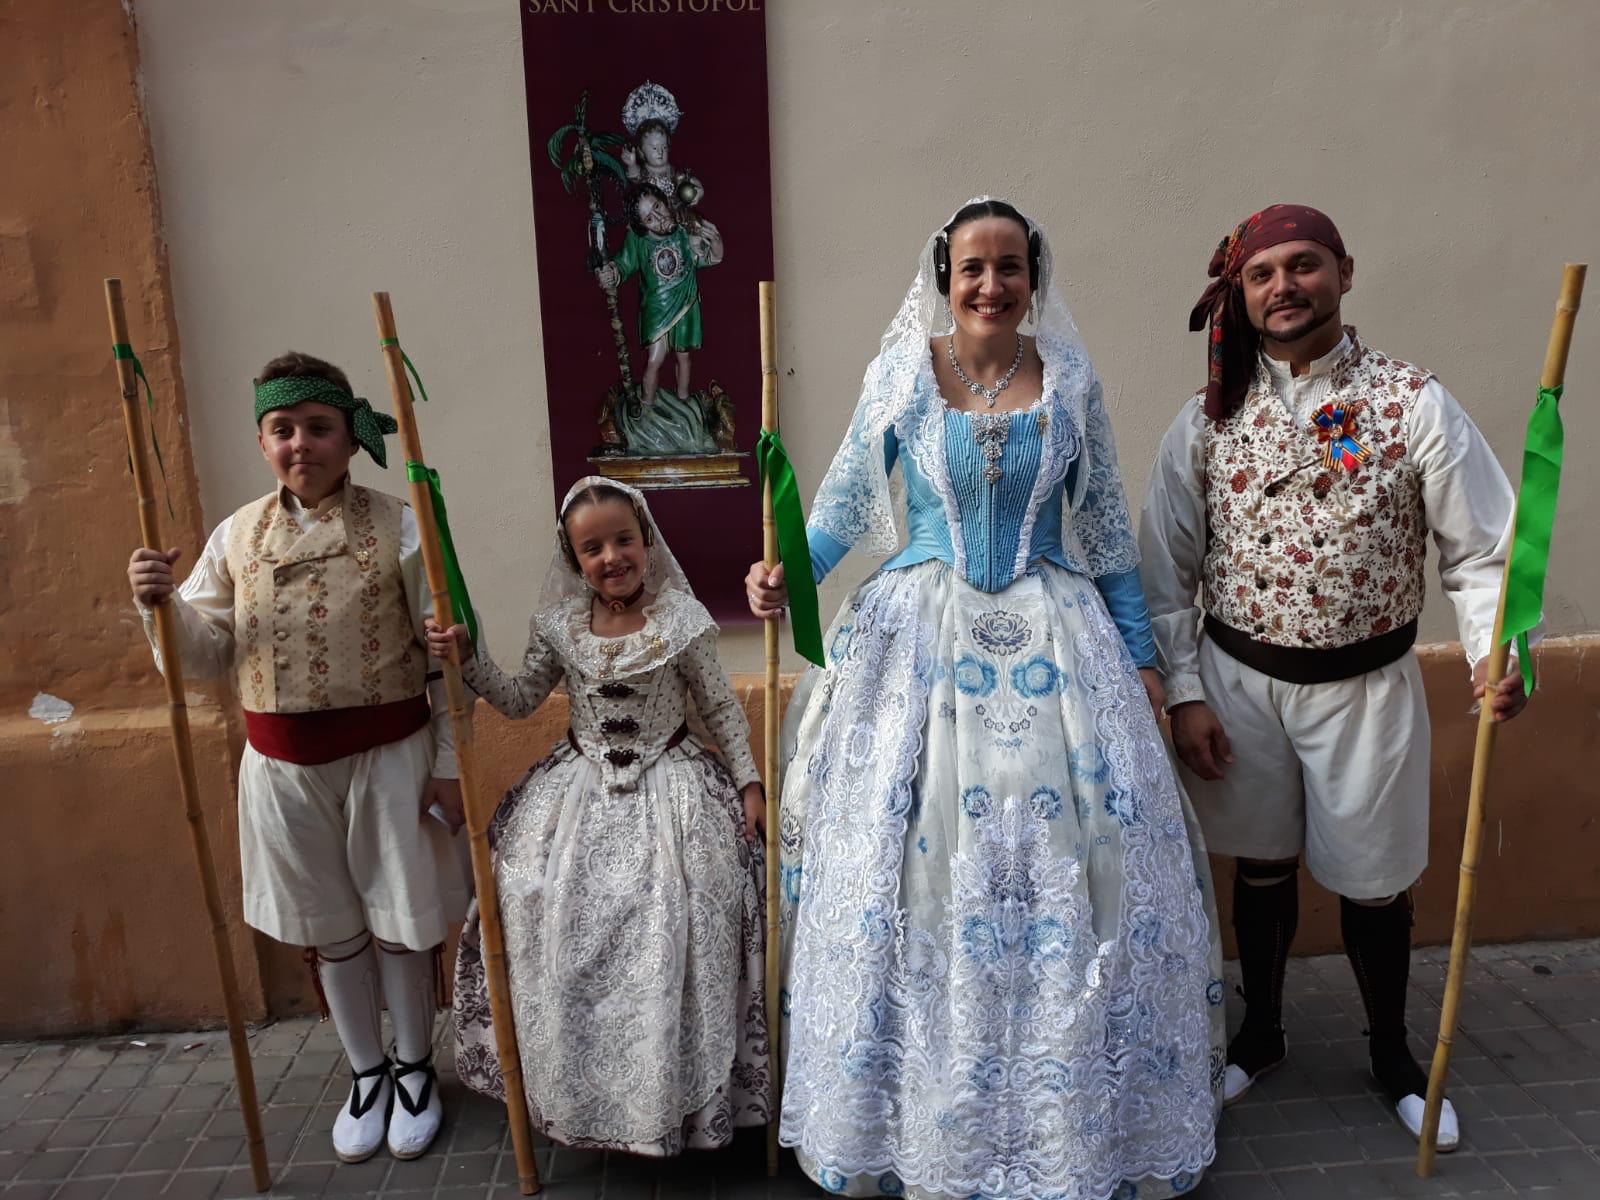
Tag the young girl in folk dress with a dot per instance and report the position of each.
(627, 861)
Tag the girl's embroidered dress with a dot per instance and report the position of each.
(1002, 972)
(632, 904)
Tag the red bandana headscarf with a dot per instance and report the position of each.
(1234, 341)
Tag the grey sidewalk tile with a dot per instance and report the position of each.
(31, 1191)
(25, 1080)
(1332, 1147)
(50, 1106)
(308, 1180)
(127, 1129)
(72, 1079)
(415, 1175)
(105, 1160)
(149, 1101)
(77, 1134)
(48, 1164)
(180, 1125)
(215, 1152)
(1541, 1132)
(199, 1095)
(159, 1156)
(99, 1104)
(121, 1077)
(360, 1179)
(1246, 1187)
(26, 1135)
(85, 1189)
(1490, 1135)
(1552, 1167)
(472, 1170)
(1585, 1126)
(194, 1185)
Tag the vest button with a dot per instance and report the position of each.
(283, 608)
(281, 575)
(1266, 539)
(282, 635)
(281, 663)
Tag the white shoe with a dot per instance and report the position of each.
(1236, 1081)
(1410, 1110)
(359, 1128)
(418, 1112)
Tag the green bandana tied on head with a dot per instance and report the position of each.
(370, 425)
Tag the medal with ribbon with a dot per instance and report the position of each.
(1336, 427)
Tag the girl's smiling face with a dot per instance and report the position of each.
(609, 546)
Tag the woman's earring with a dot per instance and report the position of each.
(1033, 310)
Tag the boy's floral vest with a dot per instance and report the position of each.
(320, 618)
(1302, 554)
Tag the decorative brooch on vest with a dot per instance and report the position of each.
(1336, 426)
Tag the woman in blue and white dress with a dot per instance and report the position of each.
(1001, 969)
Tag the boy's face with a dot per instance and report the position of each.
(309, 448)
(655, 216)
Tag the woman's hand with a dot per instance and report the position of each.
(441, 641)
(150, 575)
(1153, 689)
(446, 793)
(755, 811)
(766, 591)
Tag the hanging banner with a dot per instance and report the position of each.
(652, 214)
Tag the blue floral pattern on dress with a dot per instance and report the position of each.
(975, 676)
(1035, 678)
(1001, 632)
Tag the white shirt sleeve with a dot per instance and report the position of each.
(1172, 548)
(202, 612)
(419, 600)
(1469, 505)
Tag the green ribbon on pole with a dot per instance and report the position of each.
(416, 472)
(455, 581)
(125, 351)
(1536, 515)
(772, 461)
(406, 358)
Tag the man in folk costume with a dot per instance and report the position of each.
(313, 599)
(1293, 498)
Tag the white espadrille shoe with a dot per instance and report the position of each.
(418, 1112)
(359, 1128)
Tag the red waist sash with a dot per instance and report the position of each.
(310, 738)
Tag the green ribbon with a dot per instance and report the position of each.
(455, 581)
(124, 351)
(772, 461)
(1536, 515)
(406, 358)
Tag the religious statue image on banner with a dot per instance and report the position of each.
(651, 248)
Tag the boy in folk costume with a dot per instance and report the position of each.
(1295, 495)
(313, 598)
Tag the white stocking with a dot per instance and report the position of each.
(408, 989)
(349, 973)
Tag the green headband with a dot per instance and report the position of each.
(370, 425)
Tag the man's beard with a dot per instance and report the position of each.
(1295, 332)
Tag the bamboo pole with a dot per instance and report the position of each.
(183, 748)
(1555, 369)
(478, 815)
(769, 554)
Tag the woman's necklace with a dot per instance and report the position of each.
(989, 394)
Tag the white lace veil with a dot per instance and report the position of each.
(853, 504)
(564, 583)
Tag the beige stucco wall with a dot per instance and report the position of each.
(309, 153)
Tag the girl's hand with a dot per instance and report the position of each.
(441, 641)
(150, 575)
(766, 591)
(755, 812)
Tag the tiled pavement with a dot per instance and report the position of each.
(110, 1118)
